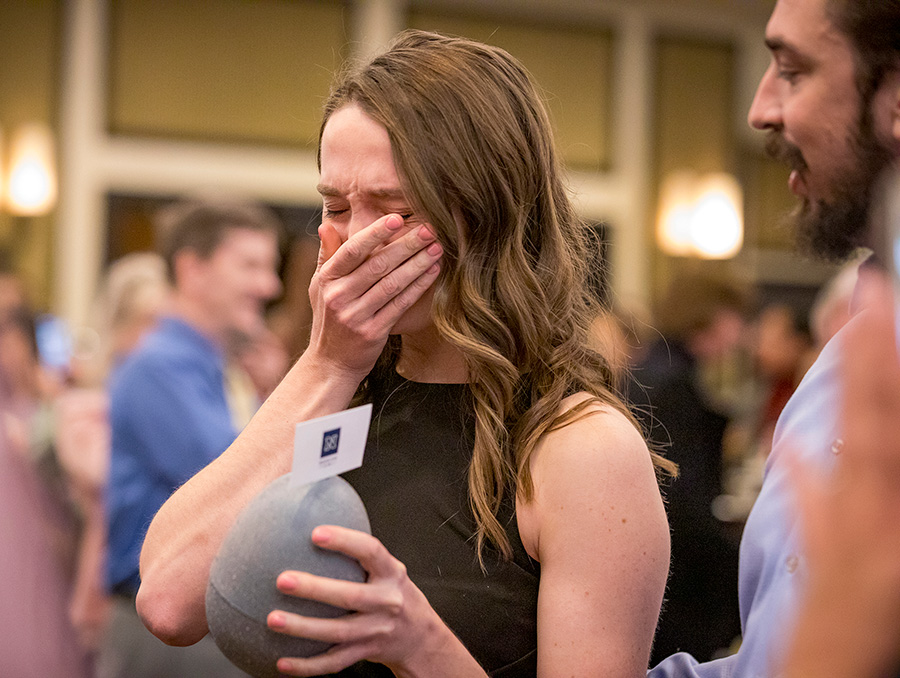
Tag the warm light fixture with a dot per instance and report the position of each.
(701, 216)
(30, 179)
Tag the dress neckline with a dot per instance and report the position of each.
(400, 379)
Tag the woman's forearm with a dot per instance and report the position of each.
(186, 533)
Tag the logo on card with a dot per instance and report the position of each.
(330, 440)
(330, 445)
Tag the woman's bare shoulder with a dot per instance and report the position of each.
(598, 433)
(593, 470)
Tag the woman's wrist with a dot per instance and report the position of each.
(338, 373)
(440, 653)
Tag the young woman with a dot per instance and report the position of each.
(517, 524)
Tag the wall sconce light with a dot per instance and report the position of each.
(29, 184)
(700, 216)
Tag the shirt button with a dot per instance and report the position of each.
(837, 446)
(791, 563)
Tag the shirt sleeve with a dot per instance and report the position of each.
(683, 665)
(172, 418)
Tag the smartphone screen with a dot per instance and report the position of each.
(54, 342)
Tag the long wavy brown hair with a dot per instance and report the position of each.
(473, 147)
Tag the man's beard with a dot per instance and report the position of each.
(834, 229)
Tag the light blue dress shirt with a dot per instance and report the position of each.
(772, 567)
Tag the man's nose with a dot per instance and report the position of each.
(269, 285)
(765, 111)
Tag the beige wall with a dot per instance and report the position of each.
(195, 79)
(578, 97)
(29, 72)
(29, 50)
(251, 72)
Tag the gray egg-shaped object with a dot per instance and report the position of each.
(271, 535)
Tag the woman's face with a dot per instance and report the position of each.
(359, 184)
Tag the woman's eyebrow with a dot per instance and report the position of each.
(381, 193)
(328, 191)
(387, 193)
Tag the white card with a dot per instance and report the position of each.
(330, 445)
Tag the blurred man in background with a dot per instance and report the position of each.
(169, 409)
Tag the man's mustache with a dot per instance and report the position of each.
(782, 150)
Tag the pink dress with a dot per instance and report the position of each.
(36, 637)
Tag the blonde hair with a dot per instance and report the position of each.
(472, 144)
(134, 291)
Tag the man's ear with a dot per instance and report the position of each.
(186, 264)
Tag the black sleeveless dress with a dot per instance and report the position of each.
(414, 485)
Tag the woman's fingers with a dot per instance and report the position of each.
(350, 628)
(391, 305)
(361, 266)
(369, 551)
(368, 278)
(390, 618)
(390, 260)
(371, 306)
(332, 661)
(360, 246)
(350, 596)
(353, 596)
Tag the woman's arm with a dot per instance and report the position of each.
(360, 289)
(598, 527)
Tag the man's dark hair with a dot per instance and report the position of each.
(873, 27)
(201, 226)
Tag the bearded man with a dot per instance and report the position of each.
(821, 596)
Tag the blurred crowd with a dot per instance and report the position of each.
(707, 372)
(56, 433)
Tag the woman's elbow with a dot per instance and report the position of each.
(169, 616)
